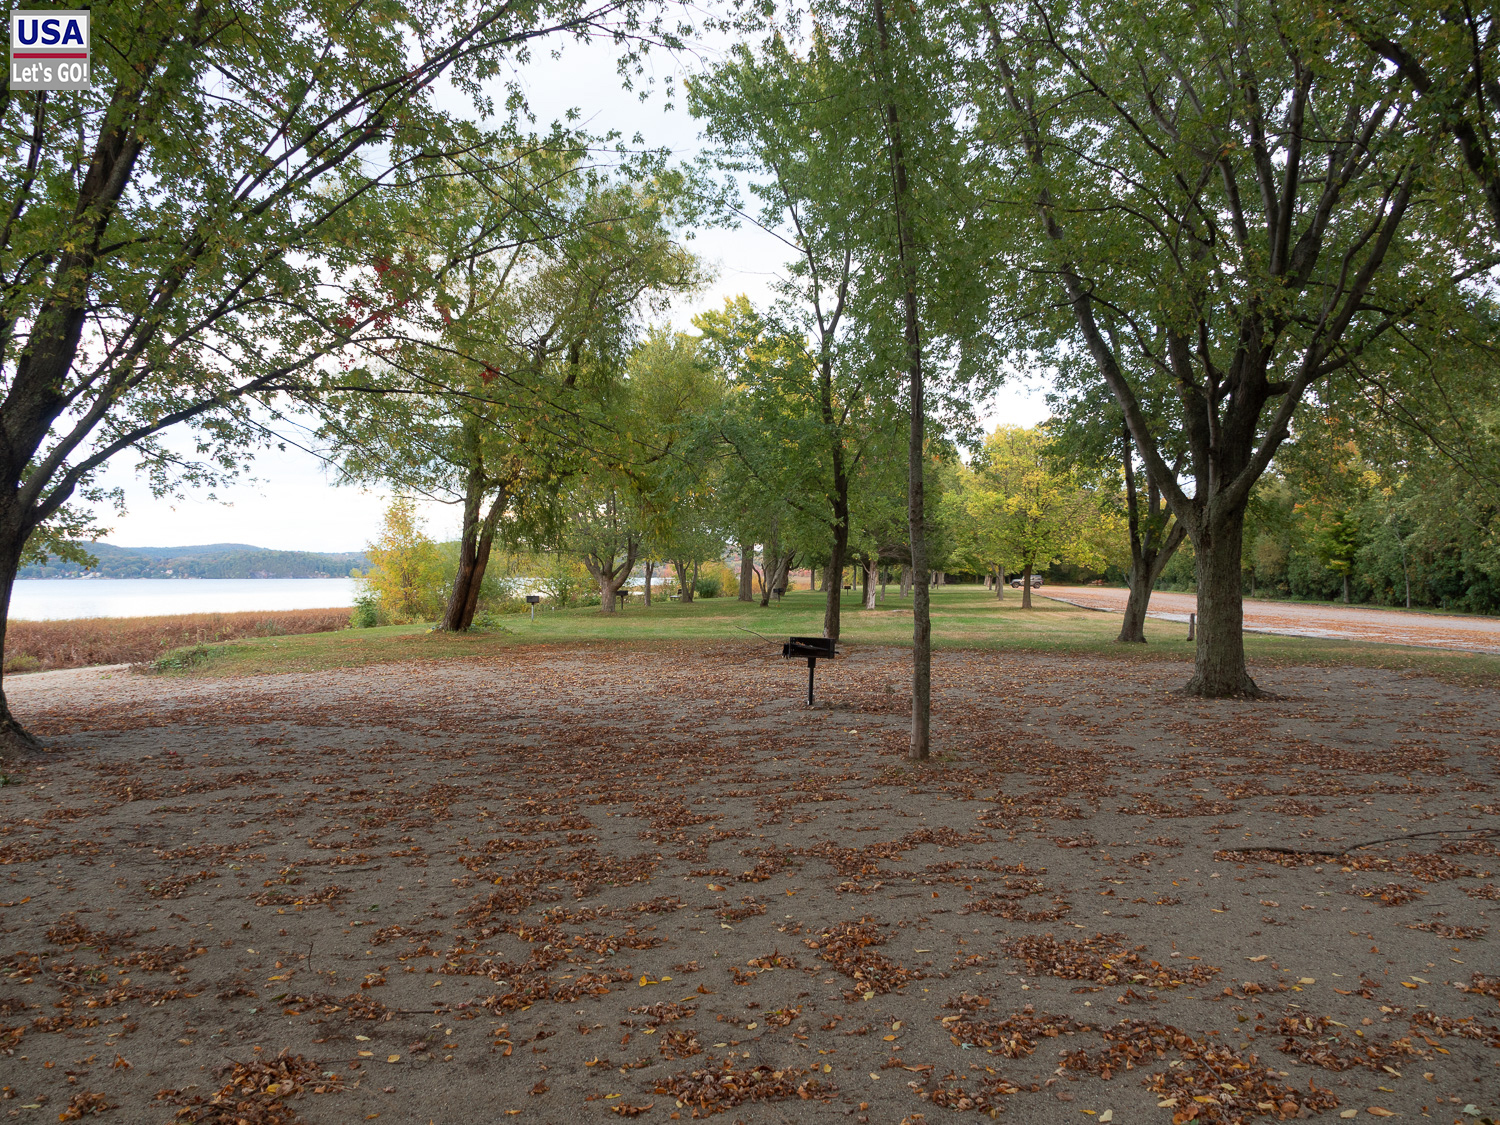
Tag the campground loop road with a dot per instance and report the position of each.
(1293, 619)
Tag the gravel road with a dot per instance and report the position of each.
(1350, 623)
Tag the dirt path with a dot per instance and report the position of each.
(1350, 623)
(576, 886)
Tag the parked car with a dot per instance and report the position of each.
(1036, 580)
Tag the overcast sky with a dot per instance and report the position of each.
(292, 504)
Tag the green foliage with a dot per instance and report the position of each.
(366, 613)
(562, 580)
(1017, 508)
(185, 659)
(710, 586)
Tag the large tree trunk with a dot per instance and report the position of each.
(468, 551)
(683, 582)
(646, 594)
(1026, 587)
(1000, 584)
(16, 742)
(611, 575)
(473, 558)
(1219, 665)
(747, 572)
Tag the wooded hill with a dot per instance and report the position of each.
(213, 560)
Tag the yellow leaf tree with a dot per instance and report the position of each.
(406, 570)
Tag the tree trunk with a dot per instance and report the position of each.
(1219, 662)
(1346, 587)
(870, 581)
(1147, 557)
(905, 580)
(646, 594)
(780, 565)
(1000, 585)
(1143, 576)
(468, 550)
(747, 571)
(916, 446)
(611, 576)
(682, 579)
(473, 556)
(833, 574)
(1026, 587)
(16, 742)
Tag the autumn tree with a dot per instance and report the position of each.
(405, 567)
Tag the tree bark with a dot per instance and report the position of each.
(611, 576)
(1149, 550)
(1000, 585)
(1219, 669)
(468, 550)
(905, 580)
(916, 448)
(16, 742)
(747, 571)
(646, 594)
(1026, 587)
(833, 573)
(778, 565)
(682, 579)
(474, 546)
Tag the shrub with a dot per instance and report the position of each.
(710, 586)
(366, 613)
(181, 658)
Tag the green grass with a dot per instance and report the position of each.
(963, 617)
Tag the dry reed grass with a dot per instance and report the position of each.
(38, 646)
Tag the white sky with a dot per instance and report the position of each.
(292, 505)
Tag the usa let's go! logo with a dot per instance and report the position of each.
(49, 50)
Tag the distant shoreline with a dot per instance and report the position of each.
(182, 578)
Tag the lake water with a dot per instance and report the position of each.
(48, 599)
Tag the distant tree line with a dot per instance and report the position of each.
(216, 562)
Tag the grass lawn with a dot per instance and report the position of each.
(962, 617)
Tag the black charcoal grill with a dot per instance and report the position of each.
(811, 648)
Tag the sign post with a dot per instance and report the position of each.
(49, 50)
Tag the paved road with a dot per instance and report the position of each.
(1352, 623)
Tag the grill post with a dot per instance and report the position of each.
(810, 648)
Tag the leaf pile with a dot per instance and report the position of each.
(846, 946)
(256, 1093)
(1014, 1037)
(721, 1087)
(1104, 958)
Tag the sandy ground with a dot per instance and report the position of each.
(1349, 623)
(575, 886)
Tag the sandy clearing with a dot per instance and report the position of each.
(531, 881)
